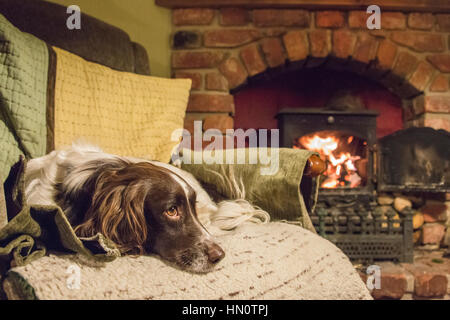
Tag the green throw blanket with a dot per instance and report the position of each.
(23, 95)
(274, 182)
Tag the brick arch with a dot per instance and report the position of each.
(410, 57)
(399, 70)
(405, 73)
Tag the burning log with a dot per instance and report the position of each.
(343, 155)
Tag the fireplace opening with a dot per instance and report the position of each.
(258, 103)
(345, 155)
(356, 127)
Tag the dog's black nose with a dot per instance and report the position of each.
(214, 252)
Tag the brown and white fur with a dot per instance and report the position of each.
(143, 206)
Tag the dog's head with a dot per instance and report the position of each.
(146, 208)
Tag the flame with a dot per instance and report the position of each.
(341, 170)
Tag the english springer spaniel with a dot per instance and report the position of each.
(143, 206)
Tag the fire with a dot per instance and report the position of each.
(341, 169)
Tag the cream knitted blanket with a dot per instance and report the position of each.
(272, 261)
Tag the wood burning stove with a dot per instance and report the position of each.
(359, 166)
(346, 211)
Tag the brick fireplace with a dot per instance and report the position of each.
(229, 48)
(223, 49)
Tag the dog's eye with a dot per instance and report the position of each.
(172, 212)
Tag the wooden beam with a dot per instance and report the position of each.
(391, 5)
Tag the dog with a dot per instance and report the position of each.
(145, 207)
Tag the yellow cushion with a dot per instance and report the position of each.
(123, 113)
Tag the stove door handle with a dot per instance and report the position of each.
(315, 166)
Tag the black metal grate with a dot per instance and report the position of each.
(365, 235)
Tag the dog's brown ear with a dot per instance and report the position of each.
(117, 211)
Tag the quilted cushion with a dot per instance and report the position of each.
(23, 95)
(123, 113)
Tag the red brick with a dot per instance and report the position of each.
(343, 43)
(365, 48)
(192, 16)
(386, 54)
(421, 76)
(319, 41)
(421, 21)
(234, 72)
(200, 102)
(357, 19)
(195, 59)
(280, 17)
(404, 65)
(432, 233)
(220, 122)
(230, 38)
(253, 60)
(443, 21)
(393, 286)
(440, 61)
(434, 120)
(435, 211)
(296, 44)
(233, 17)
(393, 20)
(216, 81)
(379, 33)
(437, 104)
(430, 285)
(274, 32)
(439, 84)
(194, 76)
(330, 19)
(420, 41)
(273, 52)
(429, 282)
